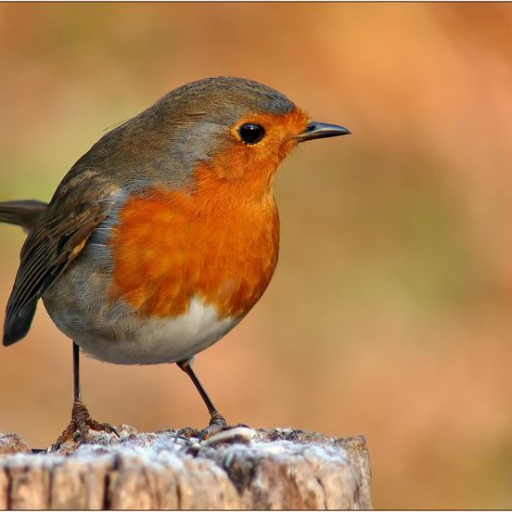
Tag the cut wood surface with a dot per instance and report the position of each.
(240, 468)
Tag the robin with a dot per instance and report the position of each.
(164, 235)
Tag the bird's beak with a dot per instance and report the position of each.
(316, 130)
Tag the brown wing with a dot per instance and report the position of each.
(79, 205)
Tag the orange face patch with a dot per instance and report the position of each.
(235, 159)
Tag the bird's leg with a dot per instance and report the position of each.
(217, 421)
(81, 420)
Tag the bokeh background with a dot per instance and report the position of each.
(390, 314)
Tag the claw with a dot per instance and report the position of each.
(81, 422)
(187, 433)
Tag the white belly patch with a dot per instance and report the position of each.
(161, 340)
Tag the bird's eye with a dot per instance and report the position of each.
(251, 133)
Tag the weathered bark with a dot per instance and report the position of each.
(241, 468)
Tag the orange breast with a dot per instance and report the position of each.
(213, 242)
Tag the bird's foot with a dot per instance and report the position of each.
(217, 425)
(79, 427)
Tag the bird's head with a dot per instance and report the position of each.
(238, 128)
(224, 128)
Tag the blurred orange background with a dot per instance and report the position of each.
(390, 314)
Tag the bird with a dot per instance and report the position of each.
(163, 236)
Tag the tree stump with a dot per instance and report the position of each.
(237, 469)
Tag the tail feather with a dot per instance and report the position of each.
(22, 213)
